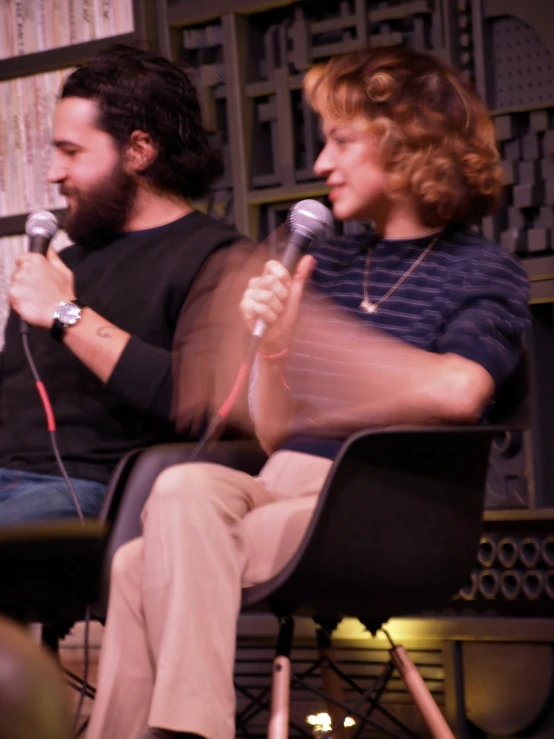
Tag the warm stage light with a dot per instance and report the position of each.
(322, 722)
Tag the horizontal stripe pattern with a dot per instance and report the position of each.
(468, 296)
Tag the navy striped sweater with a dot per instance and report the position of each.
(468, 297)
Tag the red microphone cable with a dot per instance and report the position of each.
(218, 422)
(51, 426)
(50, 418)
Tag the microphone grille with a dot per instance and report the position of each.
(311, 218)
(41, 223)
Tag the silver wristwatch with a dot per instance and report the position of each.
(67, 313)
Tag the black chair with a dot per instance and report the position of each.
(395, 532)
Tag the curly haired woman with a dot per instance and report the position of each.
(418, 320)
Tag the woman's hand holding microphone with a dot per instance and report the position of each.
(275, 297)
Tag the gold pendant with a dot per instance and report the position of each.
(368, 306)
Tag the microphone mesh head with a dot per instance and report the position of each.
(41, 223)
(311, 218)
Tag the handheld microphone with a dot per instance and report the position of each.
(40, 227)
(307, 220)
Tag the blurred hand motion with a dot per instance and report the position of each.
(211, 338)
(275, 297)
(381, 377)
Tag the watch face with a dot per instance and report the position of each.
(68, 313)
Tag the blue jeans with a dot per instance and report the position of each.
(26, 497)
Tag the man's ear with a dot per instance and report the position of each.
(141, 152)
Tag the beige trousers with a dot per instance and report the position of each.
(169, 646)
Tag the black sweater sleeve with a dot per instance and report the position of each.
(142, 377)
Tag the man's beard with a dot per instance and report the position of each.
(100, 214)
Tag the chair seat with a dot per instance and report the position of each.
(395, 529)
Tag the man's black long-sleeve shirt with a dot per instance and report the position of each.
(138, 282)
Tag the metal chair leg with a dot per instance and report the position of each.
(280, 698)
(280, 682)
(420, 693)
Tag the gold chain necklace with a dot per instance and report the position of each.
(372, 307)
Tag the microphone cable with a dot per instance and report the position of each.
(84, 685)
(50, 418)
(51, 427)
(41, 227)
(217, 423)
(307, 220)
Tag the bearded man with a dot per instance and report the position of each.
(129, 154)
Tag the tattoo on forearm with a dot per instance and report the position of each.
(104, 332)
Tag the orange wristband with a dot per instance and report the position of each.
(271, 357)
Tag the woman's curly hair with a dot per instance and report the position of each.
(436, 138)
(136, 90)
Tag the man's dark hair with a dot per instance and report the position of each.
(137, 90)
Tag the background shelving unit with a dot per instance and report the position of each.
(145, 25)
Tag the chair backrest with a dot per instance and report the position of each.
(397, 525)
(395, 530)
(118, 481)
(512, 407)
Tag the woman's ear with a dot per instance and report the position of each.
(141, 152)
